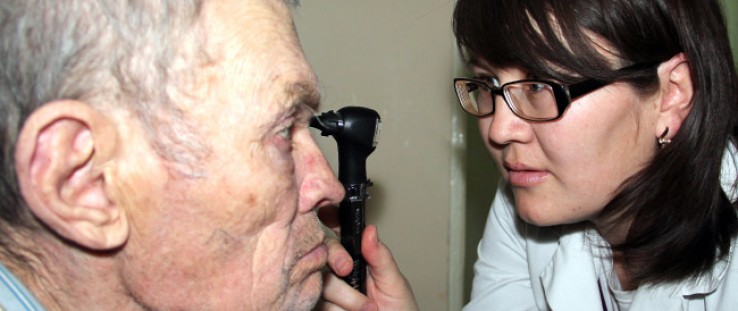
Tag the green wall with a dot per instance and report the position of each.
(731, 15)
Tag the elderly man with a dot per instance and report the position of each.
(156, 156)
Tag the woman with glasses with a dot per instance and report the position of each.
(612, 124)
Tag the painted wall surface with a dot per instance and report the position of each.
(730, 7)
(395, 57)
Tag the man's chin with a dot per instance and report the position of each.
(306, 294)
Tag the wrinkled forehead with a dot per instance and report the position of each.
(234, 28)
(255, 44)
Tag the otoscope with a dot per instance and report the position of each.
(355, 130)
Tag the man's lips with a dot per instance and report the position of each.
(309, 263)
(317, 256)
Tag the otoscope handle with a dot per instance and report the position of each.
(352, 218)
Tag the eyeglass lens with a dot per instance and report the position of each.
(529, 100)
(532, 100)
(475, 98)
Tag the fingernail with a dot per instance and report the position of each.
(369, 306)
(341, 265)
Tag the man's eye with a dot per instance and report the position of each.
(286, 133)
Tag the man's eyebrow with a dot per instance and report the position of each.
(303, 94)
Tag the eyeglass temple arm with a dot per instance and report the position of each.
(584, 87)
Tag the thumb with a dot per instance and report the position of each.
(385, 284)
(383, 267)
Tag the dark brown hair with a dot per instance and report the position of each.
(680, 218)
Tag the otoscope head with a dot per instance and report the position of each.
(356, 130)
(329, 123)
(352, 127)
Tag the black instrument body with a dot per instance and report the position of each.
(355, 130)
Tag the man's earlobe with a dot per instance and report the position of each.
(61, 157)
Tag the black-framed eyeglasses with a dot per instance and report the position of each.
(530, 99)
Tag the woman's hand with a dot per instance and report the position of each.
(387, 288)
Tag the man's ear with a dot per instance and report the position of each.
(675, 102)
(61, 157)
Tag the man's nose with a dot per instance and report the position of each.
(319, 186)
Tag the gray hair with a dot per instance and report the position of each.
(134, 53)
(138, 54)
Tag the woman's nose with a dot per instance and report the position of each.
(505, 127)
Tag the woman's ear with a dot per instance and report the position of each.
(676, 88)
(61, 157)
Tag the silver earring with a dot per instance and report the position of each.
(662, 140)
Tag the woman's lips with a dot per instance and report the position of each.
(520, 175)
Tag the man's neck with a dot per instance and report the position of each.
(66, 278)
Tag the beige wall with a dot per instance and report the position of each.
(397, 57)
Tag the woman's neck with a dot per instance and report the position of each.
(616, 233)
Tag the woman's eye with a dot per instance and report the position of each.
(489, 79)
(537, 87)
